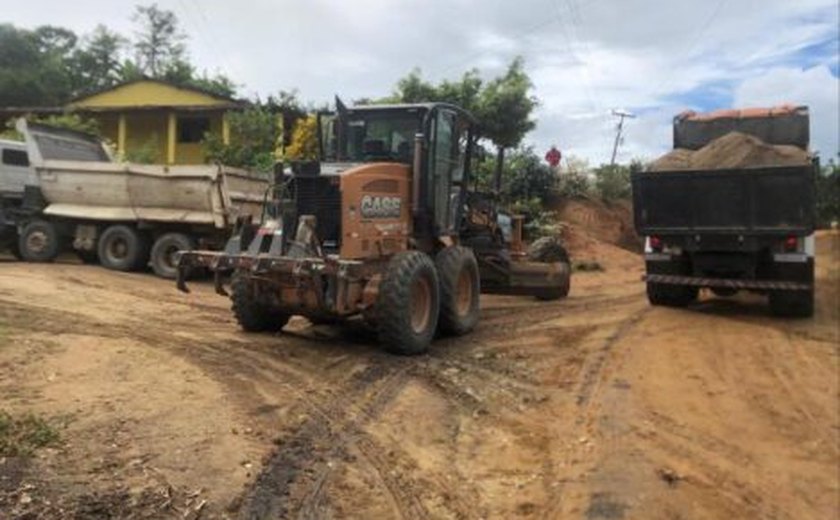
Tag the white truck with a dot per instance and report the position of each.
(67, 192)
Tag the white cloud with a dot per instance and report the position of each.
(585, 57)
(815, 87)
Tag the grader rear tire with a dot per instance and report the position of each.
(250, 313)
(459, 290)
(407, 308)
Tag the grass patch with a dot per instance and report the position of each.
(588, 266)
(21, 436)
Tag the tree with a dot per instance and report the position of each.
(31, 69)
(413, 89)
(304, 145)
(612, 181)
(97, 64)
(159, 45)
(504, 110)
(288, 104)
(503, 106)
(253, 140)
(574, 181)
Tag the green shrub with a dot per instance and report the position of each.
(21, 436)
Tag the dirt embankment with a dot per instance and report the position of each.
(595, 407)
(586, 222)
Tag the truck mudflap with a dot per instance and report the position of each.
(768, 285)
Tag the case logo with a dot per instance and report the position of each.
(380, 207)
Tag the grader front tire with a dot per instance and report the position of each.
(408, 303)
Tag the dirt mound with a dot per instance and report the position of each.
(733, 150)
(588, 218)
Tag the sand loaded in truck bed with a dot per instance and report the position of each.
(731, 151)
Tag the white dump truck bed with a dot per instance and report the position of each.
(79, 180)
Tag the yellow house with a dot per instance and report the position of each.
(167, 119)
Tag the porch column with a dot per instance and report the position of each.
(171, 131)
(225, 129)
(121, 133)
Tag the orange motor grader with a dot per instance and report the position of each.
(384, 228)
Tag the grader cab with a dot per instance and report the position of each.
(384, 228)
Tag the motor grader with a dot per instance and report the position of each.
(383, 228)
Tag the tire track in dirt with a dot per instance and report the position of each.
(591, 380)
(594, 369)
(302, 459)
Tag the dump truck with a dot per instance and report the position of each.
(70, 194)
(731, 209)
(383, 228)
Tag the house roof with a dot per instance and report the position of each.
(149, 93)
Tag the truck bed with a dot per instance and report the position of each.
(78, 179)
(747, 201)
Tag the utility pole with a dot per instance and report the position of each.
(621, 115)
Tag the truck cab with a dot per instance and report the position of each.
(15, 170)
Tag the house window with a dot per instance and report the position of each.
(15, 157)
(192, 129)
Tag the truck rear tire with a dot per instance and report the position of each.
(460, 288)
(671, 295)
(793, 304)
(408, 304)
(39, 242)
(123, 248)
(252, 315)
(164, 250)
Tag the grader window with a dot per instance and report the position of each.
(382, 138)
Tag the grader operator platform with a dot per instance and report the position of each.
(384, 228)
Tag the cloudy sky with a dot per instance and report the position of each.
(586, 57)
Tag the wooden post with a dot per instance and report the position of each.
(121, 136)
(171, 131)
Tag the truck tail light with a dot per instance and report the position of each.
(656, 243)
(791, 244)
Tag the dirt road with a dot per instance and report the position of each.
(596, 407)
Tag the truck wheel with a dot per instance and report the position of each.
(794, 304)
(164, 253)
(39, 242)
(457, 270)
(250, 313)
(671, 295)
(122, 248)
(407, 307)
(548, 250)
